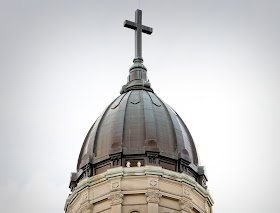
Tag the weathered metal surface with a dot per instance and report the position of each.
(138, 126)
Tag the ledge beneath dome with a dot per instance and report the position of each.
(152, 158)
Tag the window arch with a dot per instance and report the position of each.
(134, 211)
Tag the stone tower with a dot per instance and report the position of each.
(139, 156)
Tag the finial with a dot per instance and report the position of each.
(137, 78)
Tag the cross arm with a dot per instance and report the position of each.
(147, 30)
(133, 25)
(130, 24)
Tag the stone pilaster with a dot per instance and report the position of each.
(85, 205)
(86, 208)
(140, 189)
(206, 206)
(186, 205)
(153, 198)
(116, 199)
(186, 192)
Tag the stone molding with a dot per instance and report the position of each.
(116, 198)
(187, 192)
(153, 182)
(186, 204)
(86, 208)
(206, 208)
(112, 174)
(153, 196)
(115, 185)
(84, 196)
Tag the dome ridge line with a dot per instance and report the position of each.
(150, 122)
(84, 143)
(97, 132)
(124, 119)
(169, 116)
(176, 127)
(154, 101)
(195, 153)
(115, 105)
(97, 122)
(117, 133)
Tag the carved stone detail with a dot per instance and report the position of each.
(186, 204)
(86, 208)
(187, 192)
(206, 208)
(84, 196)
(153, 196)
(115, 185)
(153, 182)
(116, 198)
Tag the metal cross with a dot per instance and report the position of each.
(139, 28)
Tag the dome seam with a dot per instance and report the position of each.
(97, 132)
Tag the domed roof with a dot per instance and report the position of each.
(138, 129)
(136, 122)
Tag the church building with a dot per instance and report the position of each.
(138, 156)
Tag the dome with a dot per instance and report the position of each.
(135, 123)
(138, 129)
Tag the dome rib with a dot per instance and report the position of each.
(134, 126)
(164, 128)
(191, 141)
(184, 141)
(149, 117)
(176, 127)
(117, 144)
(110, 130)
(87, 142)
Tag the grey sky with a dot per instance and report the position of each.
(215, 62)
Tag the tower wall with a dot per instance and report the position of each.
(147, 189)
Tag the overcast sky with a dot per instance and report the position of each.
(216, 62)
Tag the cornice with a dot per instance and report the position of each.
(139, 171)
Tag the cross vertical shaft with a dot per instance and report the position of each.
(138, 34)
(137, 78)
(139, 28)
